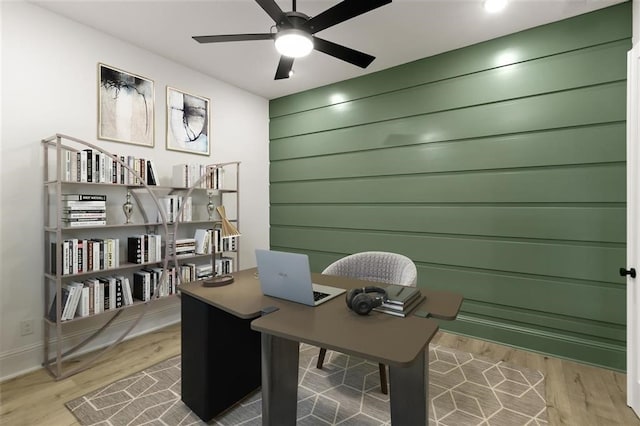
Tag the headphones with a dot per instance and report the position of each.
(361, 301)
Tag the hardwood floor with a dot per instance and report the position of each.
(577, 394)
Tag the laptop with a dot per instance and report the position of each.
(288, 276)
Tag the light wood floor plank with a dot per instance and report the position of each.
(576, 394)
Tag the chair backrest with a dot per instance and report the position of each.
(389, 268)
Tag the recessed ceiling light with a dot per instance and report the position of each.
(493, 6)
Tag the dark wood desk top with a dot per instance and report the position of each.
(243, 298)
(378, 337)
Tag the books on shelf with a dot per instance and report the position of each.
(176, 208)
(79, 256)
(89, 165)
(182, 247)
(224, 265)
(401, 300)
(92, 296)
(84, 210)
(187, 175)
(149, 282)
(84, 197)
(215, 180)
(211, 240)
(144, 248)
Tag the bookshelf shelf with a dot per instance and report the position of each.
(168, 213)
(137, 303)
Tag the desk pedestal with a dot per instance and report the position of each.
(410, 392)
(220, 358)
(409, 385)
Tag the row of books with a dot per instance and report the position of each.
(148, 282)
(91, 165)
(144, 248)
(84, 210)
(100, 294)
(89, 255)
(172, 206)
(223, 265)
(92, 296)
(209, 241)
(187, 175)
(401, 300)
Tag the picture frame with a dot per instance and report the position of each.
(188, 122)
(126, 107)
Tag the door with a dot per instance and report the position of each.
(633, 230)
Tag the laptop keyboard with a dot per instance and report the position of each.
(317, 295)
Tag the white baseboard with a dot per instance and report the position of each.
(29, 358)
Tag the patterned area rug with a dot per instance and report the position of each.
(464, 389)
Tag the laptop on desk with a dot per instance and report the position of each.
(287, 276)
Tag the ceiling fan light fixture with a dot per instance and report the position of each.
(293, 43)
(494, 6)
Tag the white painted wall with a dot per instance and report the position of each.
(49, 85)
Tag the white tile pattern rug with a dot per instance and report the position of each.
(464, 389)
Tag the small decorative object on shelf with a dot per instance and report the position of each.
(228, 230)
(211, 207)
(127, 208)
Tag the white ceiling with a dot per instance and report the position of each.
(397, 33)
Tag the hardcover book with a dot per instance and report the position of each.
(406, 310)
(84, 197)
(400, 295)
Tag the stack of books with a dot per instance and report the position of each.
(182, 247)
(84, 210)
(401, 300)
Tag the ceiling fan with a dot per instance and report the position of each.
(294, 33)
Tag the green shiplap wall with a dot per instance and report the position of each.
(499, 169)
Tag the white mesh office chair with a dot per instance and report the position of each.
(383, 267)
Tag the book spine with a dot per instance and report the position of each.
(88, 160)
(84, 197)
(134, 249)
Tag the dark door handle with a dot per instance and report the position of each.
(631, 272)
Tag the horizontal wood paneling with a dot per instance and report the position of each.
(544, 320)
(586, 262)
(556, 73)
(502, 180)
(606, 26)
(577, 145)
(577, 184)
(548, 222)
(586, 349)
(580, 107)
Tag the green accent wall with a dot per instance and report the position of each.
(498, 168)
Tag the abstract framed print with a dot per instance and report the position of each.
(187, 122)
(125, 107)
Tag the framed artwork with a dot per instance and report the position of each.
(125, 107)
(187, 122)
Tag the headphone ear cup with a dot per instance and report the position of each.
(350, 295)
(361, 304)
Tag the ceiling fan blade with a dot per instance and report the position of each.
(284, 67)
(344, 53)
(341, 12)
(273, 10)
(232, 37)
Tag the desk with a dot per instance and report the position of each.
(273, 340)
